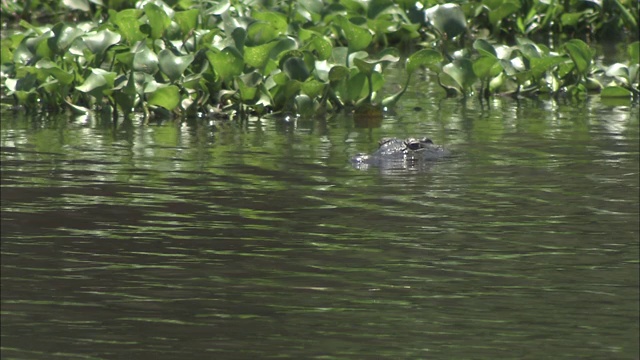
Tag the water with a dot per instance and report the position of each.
(185, 240)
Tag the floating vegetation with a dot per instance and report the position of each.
(242, 58)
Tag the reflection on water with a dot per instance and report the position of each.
(203, 240)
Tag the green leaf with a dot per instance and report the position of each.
(377, 7)
(173, 66)
(82, 5)
(321, 47)
(257, 56)
(484, 47)
(218, 7)
(313, 88)
(277, 20)
(145, 61)
(448, 19)
(304, 105)
(615, 92)
(227, 63)
(167, 97)
(64, 36)
(580, 53)
(461, 70)
(260, 32)
(424, 57)
(186, 20)
(357, 87)
(128, 24)
(571, 19)
(505, 9)
(487, 66)
(50, 68)
(338, 73)
(358, 38)
(296, 69)
(159, 21)
(98, 83)
(99, 41)
(543, 64)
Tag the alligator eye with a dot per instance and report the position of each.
(426, 141)
(413, 145)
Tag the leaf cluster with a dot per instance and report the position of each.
(241, 57)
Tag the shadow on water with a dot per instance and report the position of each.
(206, 239)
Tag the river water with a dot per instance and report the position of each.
(210, 240)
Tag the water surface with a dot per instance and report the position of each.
(199, 239)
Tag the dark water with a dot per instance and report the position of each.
(195, 240)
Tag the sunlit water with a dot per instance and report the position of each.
(194, 240)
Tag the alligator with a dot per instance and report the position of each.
(406, 153)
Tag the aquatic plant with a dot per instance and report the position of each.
(240, 57)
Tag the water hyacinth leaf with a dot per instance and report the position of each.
(257, 56)
(227, 63)
(505, 9)
(484, 48)
(127, 97)
(173, 66)
(283, 45)
(364, 67)
(304, 105)
(296, 69)
(64, 37)
(461, 70)
(219, 7)
(186, 20)
(339, 55)
(616, 92)
(279, 79)
(321, 47)
(424, 57)
(377, 81)
(99, 41)
(530, 51)
(313, 88)
(357, 55)
(50, 68)
(448, 19)
(98, 83)
(543, 64)
(618, 70)
(82, 5)
(487, 66)
(571, 19)
(158, 19)
(592, 84)
(6, 55)
(167, 97)
(145, 60)
(248, 87)
(580, 53)
(77, 109)
(377, 7)
(357, 87)
(22, 55)
(367, 65)
(260, 32)
(239, 36)
(128, 24)
(358, 38)
(277, 20)
(338, 73)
